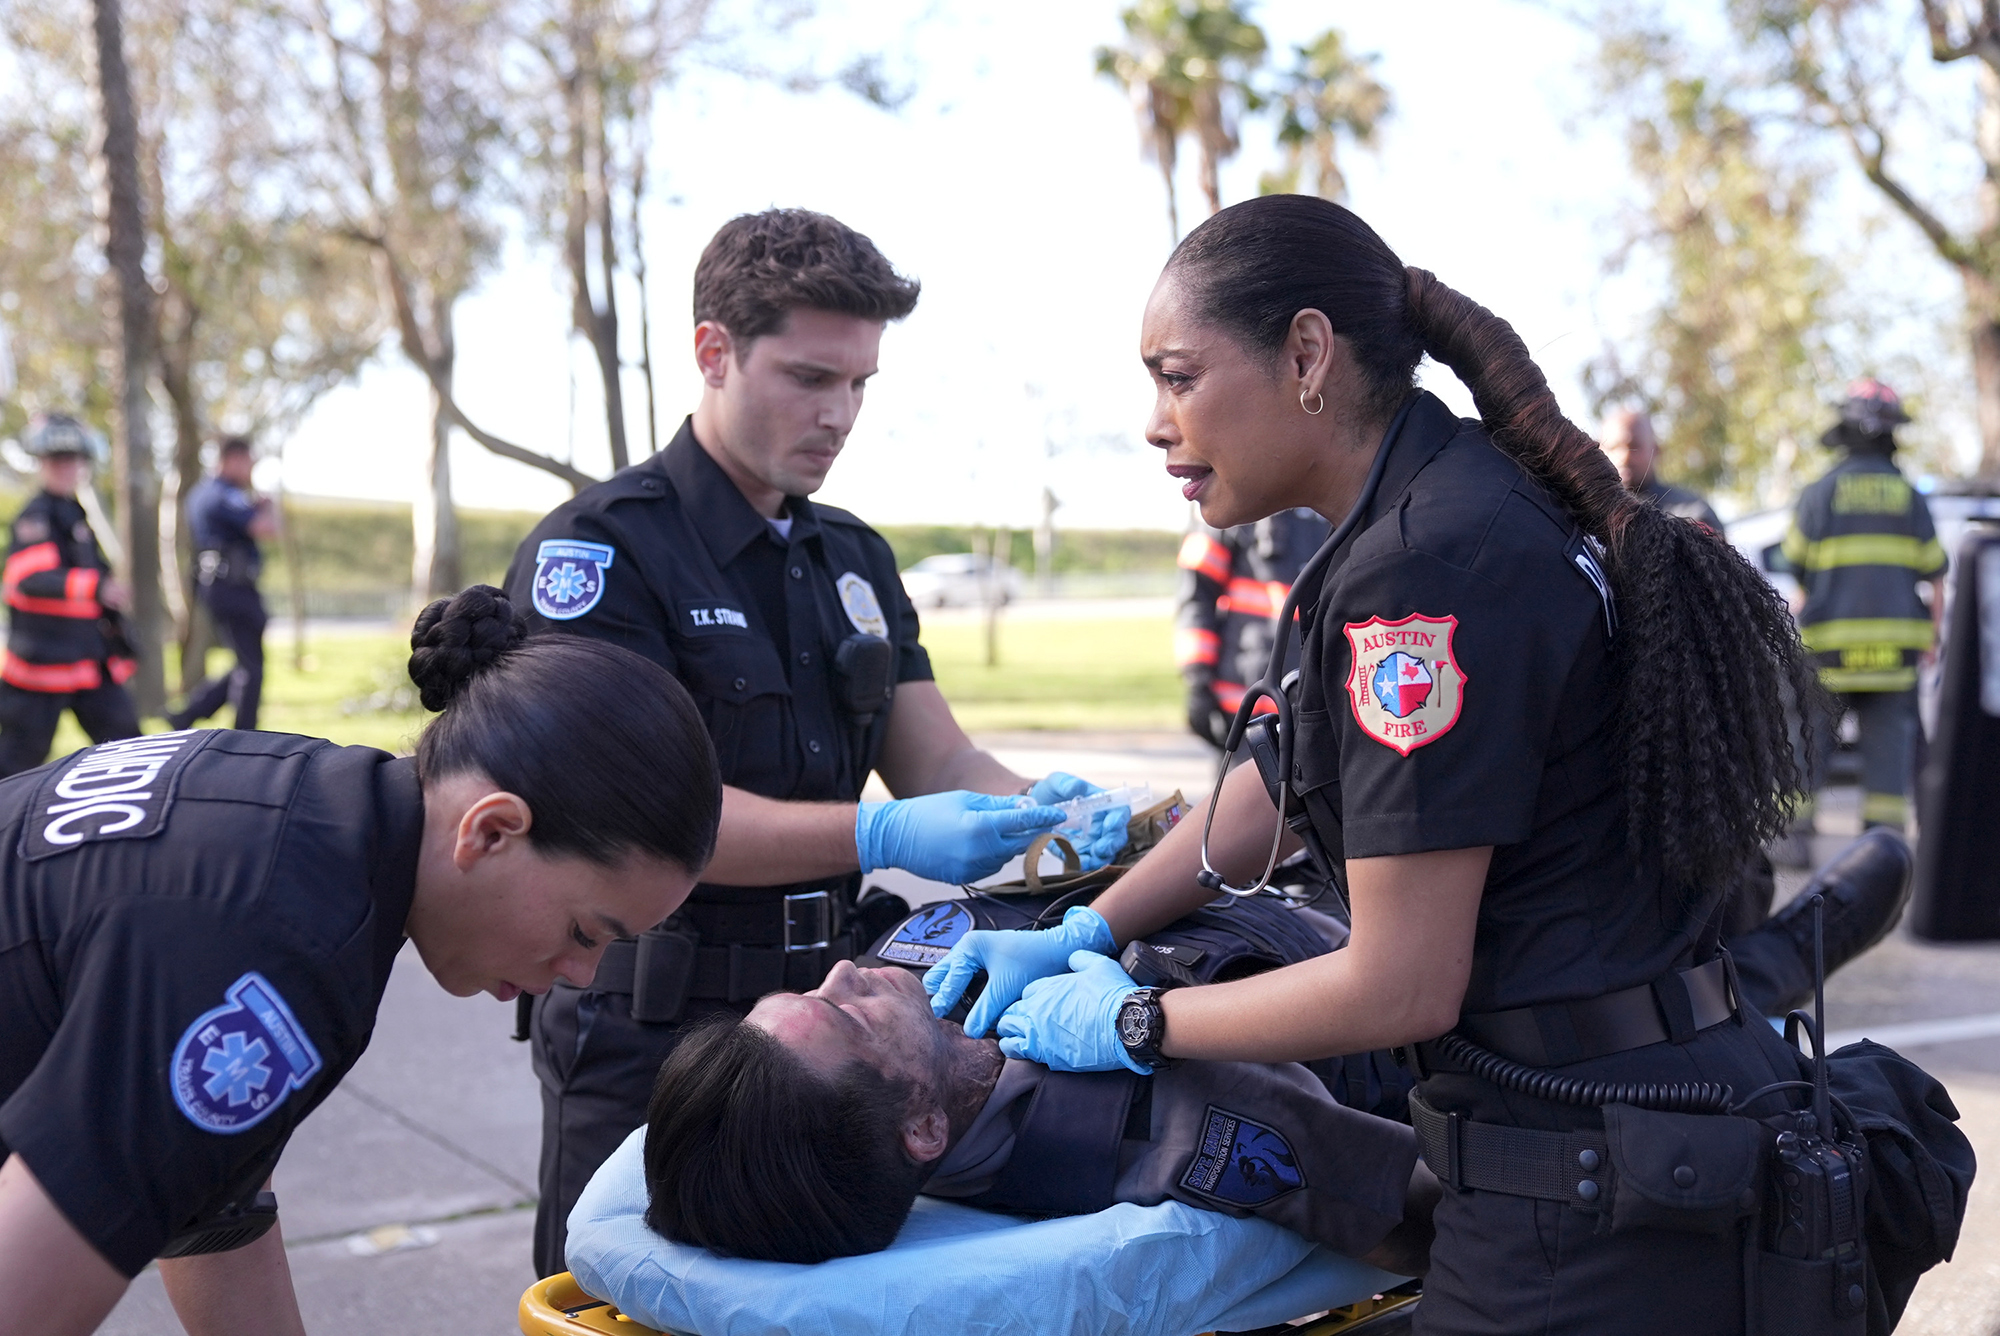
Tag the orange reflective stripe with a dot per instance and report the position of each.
(122, 668)
(1194, 645)
(1251, 598)
(1204, 556)
(1229, 695)
(28, 561)
(52, 677)
(80, 583)
(33, 561)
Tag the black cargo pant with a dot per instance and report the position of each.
(597, 1067)
(240, 619)
(28, 721)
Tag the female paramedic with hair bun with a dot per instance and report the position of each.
(196, 929)
(1539, 722)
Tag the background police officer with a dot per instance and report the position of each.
(1232, 583)
(1629, 441)
(196, 929)
(227, 520)
(66, 645)
(788, 624)
(1861, 540)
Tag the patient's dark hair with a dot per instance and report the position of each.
(752, 1153)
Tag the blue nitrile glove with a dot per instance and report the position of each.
(1107, 828)
(1069, 1022)
(956, 836)
(1012, 961)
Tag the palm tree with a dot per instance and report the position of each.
(1326, 94)
(1188, 66)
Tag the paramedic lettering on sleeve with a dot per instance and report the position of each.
(1513, 666)
(787, 622)
(196, 929)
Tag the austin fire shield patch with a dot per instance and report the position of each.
(1405, 683)
(236, 1064)
(1242, 1162)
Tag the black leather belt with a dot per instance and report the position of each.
(1675, 1006)
(1569, 1167)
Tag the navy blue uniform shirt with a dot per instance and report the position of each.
(1456, 691)
(219, 515)
(668, 559)
(195, 932)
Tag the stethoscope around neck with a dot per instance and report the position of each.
(1271, 685)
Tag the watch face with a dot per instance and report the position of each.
(1133, 1023)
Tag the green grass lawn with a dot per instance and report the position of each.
(1111, 674)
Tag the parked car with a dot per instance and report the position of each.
(958, 579)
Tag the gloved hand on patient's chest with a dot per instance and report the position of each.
(1012, 961)
(1069, 1022)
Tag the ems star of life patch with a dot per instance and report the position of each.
(1242, 1162)
(569, 577)
(1405, 684)
(857, 596)
(236, 1064)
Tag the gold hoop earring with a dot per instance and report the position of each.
(1314, 411)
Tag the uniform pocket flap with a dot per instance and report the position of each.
(733, 669)
(1682, 1171)
(1315, 750)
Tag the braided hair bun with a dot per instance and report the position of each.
(457, 638)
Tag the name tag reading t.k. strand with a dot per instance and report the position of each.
(712, 617)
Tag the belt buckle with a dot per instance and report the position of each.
(808, 928)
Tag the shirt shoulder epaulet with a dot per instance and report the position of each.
(847, 518)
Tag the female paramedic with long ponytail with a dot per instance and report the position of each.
(196, 929)
(1540, 723)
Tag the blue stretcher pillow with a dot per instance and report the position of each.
(1166, 1270)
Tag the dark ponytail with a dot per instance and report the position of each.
(1706, 651)
(604, 746)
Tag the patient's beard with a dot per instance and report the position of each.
(972, 1066)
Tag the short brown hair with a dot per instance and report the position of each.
(760, 267)
(751, 1153)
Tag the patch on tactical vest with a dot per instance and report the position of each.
(238, 1062)
(1405, 685)
(863, 608)
(1242, 1162)
(927, 935)
(569, 577)
(116, 791)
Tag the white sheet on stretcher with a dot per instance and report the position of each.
(1167, 1270)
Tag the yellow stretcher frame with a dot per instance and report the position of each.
(558, 1306)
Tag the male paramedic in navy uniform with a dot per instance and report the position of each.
(788, 624)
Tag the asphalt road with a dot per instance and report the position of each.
(407, 1199)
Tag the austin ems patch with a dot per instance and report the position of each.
(857, 596)
(115, 791)
(237, 1063)
(1406, 686)
(926, 936)
(1242, 1162)
(569, 577)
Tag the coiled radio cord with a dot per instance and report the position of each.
(1696, 1097)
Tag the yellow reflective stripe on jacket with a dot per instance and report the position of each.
(1888, 808)
(1868, 679)
(1863, 549)
(1848, 632)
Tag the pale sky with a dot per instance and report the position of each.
(1012, 185)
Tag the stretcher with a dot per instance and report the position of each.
(559, 1307)
(1166, 1270)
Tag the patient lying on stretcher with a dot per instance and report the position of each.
(806, 1131)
